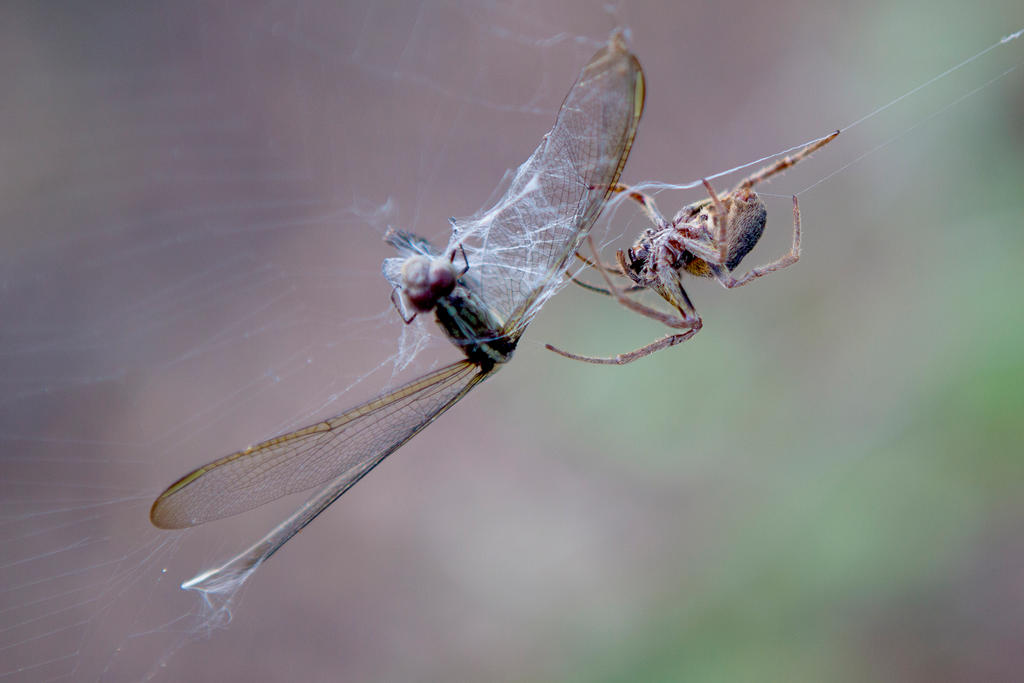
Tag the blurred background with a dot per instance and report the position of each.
(824, 484)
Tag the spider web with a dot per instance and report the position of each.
(193, 203)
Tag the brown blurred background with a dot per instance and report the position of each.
(825, 484)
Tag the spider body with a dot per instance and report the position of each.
(664, 247)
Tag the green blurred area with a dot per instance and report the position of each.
(854, 531)
(868, 430)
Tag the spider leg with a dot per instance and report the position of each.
(623, 358)
(619, 270)
(597, 264)
(720, 218)
(786, 162)
(646, 202)
(727, 280)
(601, 290)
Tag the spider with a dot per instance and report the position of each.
(707, 238)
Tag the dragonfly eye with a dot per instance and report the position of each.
(425, 280)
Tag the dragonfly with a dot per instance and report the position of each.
(484, 288)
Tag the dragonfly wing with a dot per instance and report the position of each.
(519, 248)
(343, 448)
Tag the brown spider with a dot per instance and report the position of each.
(707, 238)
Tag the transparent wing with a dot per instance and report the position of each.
(519, 248)
(340, 450)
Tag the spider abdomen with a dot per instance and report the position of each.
(747, 217)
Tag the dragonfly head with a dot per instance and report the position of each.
(425, 280)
